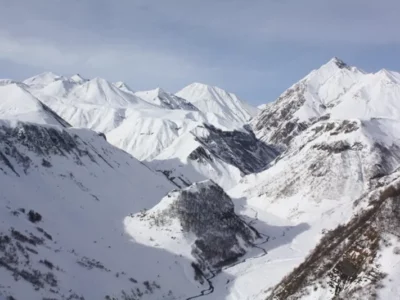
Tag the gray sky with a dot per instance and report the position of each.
(255, 48)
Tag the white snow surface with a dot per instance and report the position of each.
(16, 103)
(216, 100)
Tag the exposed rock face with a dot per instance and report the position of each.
(238, 148)
(41, 141)
(277, 124)
(346, 263)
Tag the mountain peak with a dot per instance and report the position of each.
(198, 86)
(338, 62)
(388, 75)
(77, 78)
(159, 91)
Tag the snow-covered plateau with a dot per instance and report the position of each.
(117, 194)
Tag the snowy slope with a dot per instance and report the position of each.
(218, 101)
(163, 99)
(94, 104)
(80, 189)
(98, 91)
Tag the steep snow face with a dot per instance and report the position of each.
(17, 103)
(216, 100)
(198, 222)
(166, 100)
(65, 196)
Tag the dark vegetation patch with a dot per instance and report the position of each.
(34, 217)
(208, 213)
(347, 251)
(90, 263)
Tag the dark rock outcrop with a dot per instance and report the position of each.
(238, 148)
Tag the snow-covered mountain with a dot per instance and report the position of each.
(335, 91)
(218, 101)
(145, 124)
(301, 203)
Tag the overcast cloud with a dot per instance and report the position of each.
(252, 47)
